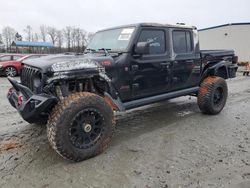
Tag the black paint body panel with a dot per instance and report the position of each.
(137, 79)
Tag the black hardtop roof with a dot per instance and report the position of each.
(181, 26)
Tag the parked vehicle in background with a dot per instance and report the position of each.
(10, 57)
(123, 68)
(13, 68)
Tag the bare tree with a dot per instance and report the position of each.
(18, 37)
(8, 36)
(89, 37)
(1, 43)
(73, 38)
(67, 34)
(83, 40)
(35, 37)
(1, 39)
(60, 39)
(52, 34)
(70, 38)
(43, 33)
(79, 39)
(28, 31)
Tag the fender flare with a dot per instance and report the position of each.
(112, 97)
(214, 69)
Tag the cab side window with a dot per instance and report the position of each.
(182, 42)
(157, 41)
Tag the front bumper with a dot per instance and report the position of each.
(29, 105)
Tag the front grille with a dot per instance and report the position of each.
(31, 78)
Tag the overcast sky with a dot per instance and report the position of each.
(93, 15)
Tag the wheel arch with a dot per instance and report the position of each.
(99, 84)
(219, 69)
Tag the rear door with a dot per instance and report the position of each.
(186, 61)
(150, 72)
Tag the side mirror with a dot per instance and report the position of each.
(142, 48)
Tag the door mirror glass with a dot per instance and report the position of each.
(142, 48)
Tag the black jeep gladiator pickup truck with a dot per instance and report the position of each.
(122, 68)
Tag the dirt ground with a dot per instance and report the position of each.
(170, 144)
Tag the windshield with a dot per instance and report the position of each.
(114, 40)
(22, 58)
(28, 57)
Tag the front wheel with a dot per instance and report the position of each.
(212, 95)
(11, 71)
(80, 126)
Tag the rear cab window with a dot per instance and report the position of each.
(182, 41)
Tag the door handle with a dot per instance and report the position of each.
(135, 67)
(165, 66)
(189, 61)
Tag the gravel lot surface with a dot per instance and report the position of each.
(170, 144)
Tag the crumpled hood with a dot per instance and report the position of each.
(45, 63)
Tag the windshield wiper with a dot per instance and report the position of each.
(91, 50)
(106, 50)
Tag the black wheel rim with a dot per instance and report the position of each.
(86, 128)
(218, 96)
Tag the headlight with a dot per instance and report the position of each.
(74, 65)
(1, 66)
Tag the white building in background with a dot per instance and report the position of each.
(234, 36)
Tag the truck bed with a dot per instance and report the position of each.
(216, 54)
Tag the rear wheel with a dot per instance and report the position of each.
(212, 95)
(80, 126)
(11, 71)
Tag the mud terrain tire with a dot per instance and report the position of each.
(212, 95)
(80, 126)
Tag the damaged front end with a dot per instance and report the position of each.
(79, 75)
(29, 105)
(39, 91)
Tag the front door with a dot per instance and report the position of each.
(151, 72)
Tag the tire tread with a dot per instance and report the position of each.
(56, 117)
